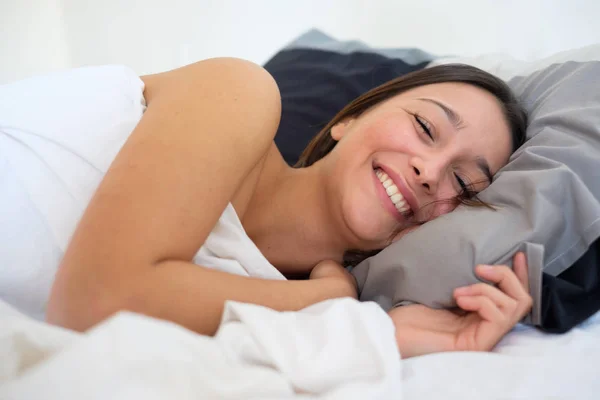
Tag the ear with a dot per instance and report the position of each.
(339, 130)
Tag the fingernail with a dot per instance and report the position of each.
(485, 268)
(461, 291)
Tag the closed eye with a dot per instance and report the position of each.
(461, 183)
(466, 188)
(424, 125)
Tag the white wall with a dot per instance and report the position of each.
(32, 38)
(154, 35)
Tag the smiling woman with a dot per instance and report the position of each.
(373, 171)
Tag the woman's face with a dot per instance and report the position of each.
(396, 163)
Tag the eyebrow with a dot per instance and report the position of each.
(452, 115)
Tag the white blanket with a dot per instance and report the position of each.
(339, 349)
(332, 350)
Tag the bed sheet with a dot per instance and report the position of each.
(338, 349)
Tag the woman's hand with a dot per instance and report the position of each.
(329, 269)
(487, 314)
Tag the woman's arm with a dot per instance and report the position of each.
(207, 126)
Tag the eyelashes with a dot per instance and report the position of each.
(424, 124)
(462, 184)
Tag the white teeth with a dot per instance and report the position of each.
(392, 191)
(397, 198)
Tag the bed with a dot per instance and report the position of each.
(340, 349)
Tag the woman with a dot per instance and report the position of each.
(394, 158)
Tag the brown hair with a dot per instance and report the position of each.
(514, 114)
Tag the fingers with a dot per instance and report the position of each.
(327, 269)
(499, 298)
(504, 277)
(482, 305)
(512, 295)
(507, 279)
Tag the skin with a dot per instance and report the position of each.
(174, 176)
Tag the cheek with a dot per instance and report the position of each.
(392, 132)
(442, 206)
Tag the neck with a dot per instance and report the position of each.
(289, 218)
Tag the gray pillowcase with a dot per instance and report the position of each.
(546, 198)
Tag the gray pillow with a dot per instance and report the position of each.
(546, 197)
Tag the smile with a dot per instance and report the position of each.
(392, 191)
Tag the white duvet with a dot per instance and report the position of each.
(339, 349)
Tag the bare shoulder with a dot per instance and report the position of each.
(232, 88)
(231, 72)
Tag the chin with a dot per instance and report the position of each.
(371, 229)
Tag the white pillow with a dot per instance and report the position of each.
(506, 67)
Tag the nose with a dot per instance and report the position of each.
(426, 174)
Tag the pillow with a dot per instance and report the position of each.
(547, 199)
(318, 75)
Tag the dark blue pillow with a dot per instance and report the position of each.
(318, 76)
